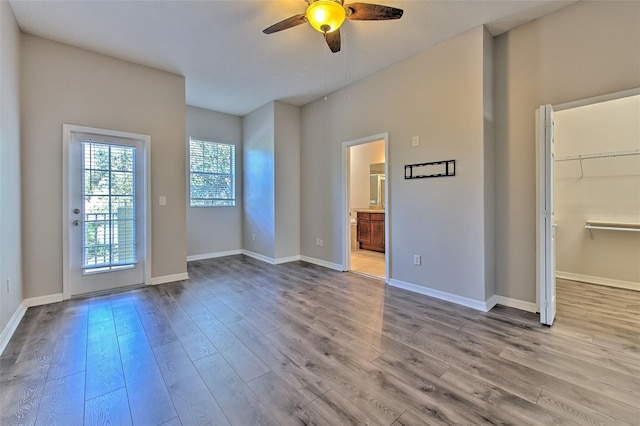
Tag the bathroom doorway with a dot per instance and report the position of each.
(366, 208)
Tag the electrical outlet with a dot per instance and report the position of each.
(253, 237)
(318, 241)
(417, 259)
(416, 140)
(163, 200)
(321, 243)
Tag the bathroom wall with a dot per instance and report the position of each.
(361, 157)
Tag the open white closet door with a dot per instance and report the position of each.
(545, 225)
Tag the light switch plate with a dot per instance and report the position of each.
(163, 200)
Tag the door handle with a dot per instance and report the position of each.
(75, 223)
(76, 211)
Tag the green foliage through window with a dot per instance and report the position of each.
(212, 173)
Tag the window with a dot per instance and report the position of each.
(212, 173)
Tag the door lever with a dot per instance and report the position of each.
(76, 211)
(75, 223)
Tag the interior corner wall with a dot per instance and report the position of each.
(438, 96)
(64, 84)
(258, 147)
(214, 230)
(584, 50)
(489, 166)
(287, 180)
(11, 281)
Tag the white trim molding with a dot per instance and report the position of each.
(259, 257)
(213, 255)
(271, 260)
(11, 326)
(169, 278)
(515, 303)
(320, 262)
(17, 316)
(448, 297)
(43, 300)
(286, 260)
(609, 282)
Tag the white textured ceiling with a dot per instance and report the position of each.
(231, 66)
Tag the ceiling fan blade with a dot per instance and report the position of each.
(286, 24)
(372, 12)
(333, 40)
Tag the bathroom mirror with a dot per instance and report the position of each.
(376, 185)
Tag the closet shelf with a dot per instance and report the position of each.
(611, 226)
(599, 155)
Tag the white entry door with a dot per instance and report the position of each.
(105, 215)
(546, 228)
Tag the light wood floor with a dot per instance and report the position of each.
(247, 343)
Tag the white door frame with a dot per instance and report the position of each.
(67, 130)
(543, 181)
(346, 204)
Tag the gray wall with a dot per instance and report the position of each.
(287, 180)
(212, 230)
(10, 207)
(258, 139)
(63, 84)
(271, 146)
(584, 50)
(438, 95)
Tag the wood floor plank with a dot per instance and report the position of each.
(22, 387)
(331, 408)
(235, 398)
(108, 409)
(126, 317)
(146, 390)
(298, 378)
(610, 383)
(243, 361)
(104, 367)
(574, 411)
(193, 401)
(286, 404)
(62, 401)
(194, 342)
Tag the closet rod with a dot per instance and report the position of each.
(611, 226)
(599, 155)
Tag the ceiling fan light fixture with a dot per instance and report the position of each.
(326, 16)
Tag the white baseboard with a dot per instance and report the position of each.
(282, 260)
(213, 255)
(259, 256)
(43, 300)
(11, 326)
(321, 262)
(270, 260)
(13, 323)
(516, 303)
(169, 278)
(453, 298)
(629, 285)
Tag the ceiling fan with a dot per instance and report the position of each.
(326, 16)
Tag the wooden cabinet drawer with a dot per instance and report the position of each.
(377, 216)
